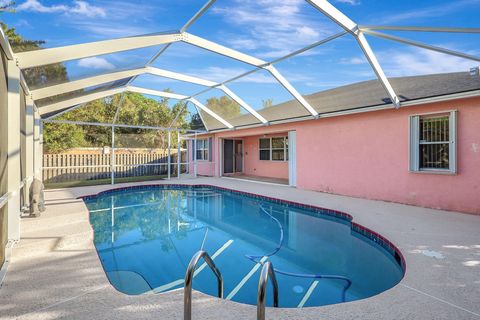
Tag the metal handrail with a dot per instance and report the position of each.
(187, 295)
(267, 272)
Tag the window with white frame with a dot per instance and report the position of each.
(274, 148)
(432, 142)
(202, 149)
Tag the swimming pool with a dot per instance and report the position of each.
(145, 237)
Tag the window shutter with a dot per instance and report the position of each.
(210, 149)
(452, 150)
(414, 143)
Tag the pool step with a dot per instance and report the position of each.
(178, 282)
(246, 278)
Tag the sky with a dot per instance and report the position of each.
(267, 29)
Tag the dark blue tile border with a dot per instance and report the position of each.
(359, 229)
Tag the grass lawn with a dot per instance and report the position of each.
(82, 183)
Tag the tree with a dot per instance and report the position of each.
(224, 107)
(267, 103)
(135, 109)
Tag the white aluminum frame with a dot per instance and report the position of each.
(55, 55)
(37, 58)
(53, 107)
(179, 97)
(348, 25)
(422, 45)
(53, 90)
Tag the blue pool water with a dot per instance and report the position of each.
(145, 238)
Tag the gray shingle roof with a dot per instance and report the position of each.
(366, 94)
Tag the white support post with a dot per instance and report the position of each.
(13, 150)
(40, 151)
(38, 158)
(195, 156)
(179, 155)
(112, 159)
(29, 148)
(169, 160)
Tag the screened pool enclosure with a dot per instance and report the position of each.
(44, 88)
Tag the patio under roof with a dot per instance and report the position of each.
(52, 99)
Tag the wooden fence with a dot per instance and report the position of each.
(65, 167)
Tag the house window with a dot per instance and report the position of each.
(275, 148)
(432, 143)
(265, 149)
(202, 149)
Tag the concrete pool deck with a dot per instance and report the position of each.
(55, 272)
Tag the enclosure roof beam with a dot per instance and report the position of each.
(284, 82)
(421, 29)
(180, 97)
(56, 115)
(157, 93)
(234, 54)
(218, 48)
(242, 103)
(56, 106)
(348, 25)
(80, 84)
(36, 58)
(422, 45)
(335, 15)
(118, 75)
(372, 59)
(292, 54)
(180, 77)
(207, 83)
(197, 15)
(113, 76)
(210, 112)
(5, 45)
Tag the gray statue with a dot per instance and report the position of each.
(37, 201)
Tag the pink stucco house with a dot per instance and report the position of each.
(426, 153)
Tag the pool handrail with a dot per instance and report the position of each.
(187, 295)
(267, 273)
